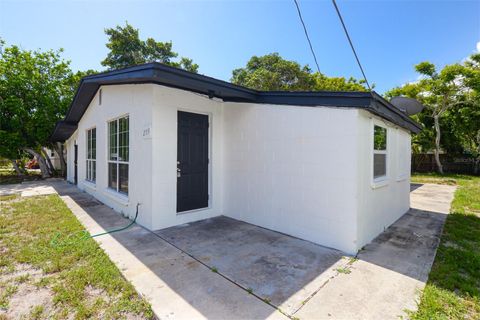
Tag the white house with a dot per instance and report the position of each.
(329, 167)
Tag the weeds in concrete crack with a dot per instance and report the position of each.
(344, 270)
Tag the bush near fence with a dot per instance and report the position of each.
(461, 164)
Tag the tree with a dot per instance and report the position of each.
(36, 89)
(273, 73)
(466, 118)
(338, 83)
(439, 92)
(127, 49)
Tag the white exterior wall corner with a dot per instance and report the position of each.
(167, 103)
(118, 100)
(381, 204)
(291, 169)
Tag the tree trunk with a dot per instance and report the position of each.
(58, 147)
(41, 162)
(476, 168)
(17, 169)
(50, 166)
(437, 143)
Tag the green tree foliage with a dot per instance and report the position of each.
(273, 73)
(36, 89)
(451, 101)
(127, 49)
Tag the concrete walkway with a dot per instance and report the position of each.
(383, 282)
(391, 271)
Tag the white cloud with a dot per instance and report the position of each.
(478, 46)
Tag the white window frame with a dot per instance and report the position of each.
(117, 162)
(91, 159)
(381, 180)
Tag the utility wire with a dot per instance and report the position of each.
(306, 34)
(351, 44)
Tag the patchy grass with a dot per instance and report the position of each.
(76, 281)
(453, 288)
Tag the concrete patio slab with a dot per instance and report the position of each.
(177, 286)
(281, 269)
(391, 271)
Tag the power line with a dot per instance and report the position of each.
(351, 44)
(306, 34)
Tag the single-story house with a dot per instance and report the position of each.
(329, 167)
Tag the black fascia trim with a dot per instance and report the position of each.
(161, 74)
(63, 130)
(392, 113)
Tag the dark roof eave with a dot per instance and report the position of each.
(177, 78)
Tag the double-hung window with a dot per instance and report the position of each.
(91, 155)
(118, 150)
(379, 152)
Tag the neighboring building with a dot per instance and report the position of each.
(54, 158)
(329, 167)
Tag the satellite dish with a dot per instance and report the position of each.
(408, 105)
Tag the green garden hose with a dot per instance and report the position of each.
(84, 234)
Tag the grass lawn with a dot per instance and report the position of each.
(73, 279)
(453, 287)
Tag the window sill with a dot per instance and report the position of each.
(380, 183)
(116, 196)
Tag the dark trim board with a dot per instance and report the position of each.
(161, 74)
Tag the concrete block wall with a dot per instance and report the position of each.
(381, 203)
(291, 169)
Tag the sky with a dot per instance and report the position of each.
(390, 36)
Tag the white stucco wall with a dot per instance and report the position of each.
(292, 169)
(381, 203)
(120, 100)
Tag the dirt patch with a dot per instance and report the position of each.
(26, 299)
(453, 245)
(131, 316)
(93, 295)
(22, 270)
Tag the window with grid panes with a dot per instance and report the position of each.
(118, 154)
(91, 172)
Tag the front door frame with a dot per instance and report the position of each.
(210, 167)
(75, 163)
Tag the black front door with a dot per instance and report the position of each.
(75, 163)
(192, 161)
